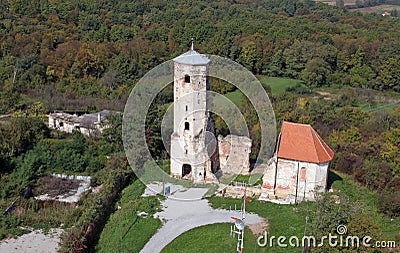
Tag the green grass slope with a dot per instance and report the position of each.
(135, 230)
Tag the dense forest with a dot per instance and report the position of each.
(88, 55)
(67, 53)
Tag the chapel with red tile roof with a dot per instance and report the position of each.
(299, 168)
(301, 142)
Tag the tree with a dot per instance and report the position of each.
(248, 55)
(389, 74)
(333, 212)
(340, 3)
(389, 201)
(301, 53)
(315, 72)
(360, 76)
(112, 134)
(111, 80)
(359, 3)
(394, 13)
(277, 65)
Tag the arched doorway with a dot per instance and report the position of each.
(186, 170)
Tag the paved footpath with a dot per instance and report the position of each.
(182, 215)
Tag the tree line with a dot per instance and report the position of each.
(81, 49)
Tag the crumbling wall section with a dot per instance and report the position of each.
(234, 154)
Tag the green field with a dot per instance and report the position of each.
(212, 238)
(278, 84)
(283, 220)
(286, 220)
(235, 96)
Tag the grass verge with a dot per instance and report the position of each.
(211, 238)
(125, 223)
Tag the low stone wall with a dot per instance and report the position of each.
(237, 191)
(73, 195)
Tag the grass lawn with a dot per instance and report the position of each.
(235, 96)
(278, 84)
(288, 220)
(136, 230)
(212, 238)
(283, 220)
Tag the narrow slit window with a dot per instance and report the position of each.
(186, 125)
(186, 108)
(303, 173)
(187, 79)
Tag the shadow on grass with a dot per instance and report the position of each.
(130, 227)
(332, 177)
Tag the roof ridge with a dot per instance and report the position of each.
(295, 143)
(192, 57)
(299, 124)
(312, 137)
(323, 146)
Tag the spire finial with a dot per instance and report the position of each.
(192, 44)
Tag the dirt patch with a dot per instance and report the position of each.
(33, 242)
(259, 228)
(54, 186)
(324, 94)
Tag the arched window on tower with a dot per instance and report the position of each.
(186, 125)
(187, 79)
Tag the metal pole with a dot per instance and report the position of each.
(119, 219)
(163, 179)
(305, 229)
(243, 217)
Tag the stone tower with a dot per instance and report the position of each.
(193, 145)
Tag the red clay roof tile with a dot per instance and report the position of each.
(302, 143)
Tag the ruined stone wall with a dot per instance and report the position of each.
(234, 152)
(269, 178)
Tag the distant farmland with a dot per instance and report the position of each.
(346, 2)
(377, 9)
(351, 4)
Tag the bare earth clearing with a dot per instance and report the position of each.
(34, 242)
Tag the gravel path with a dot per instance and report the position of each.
(34, 242)
(181, 216)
